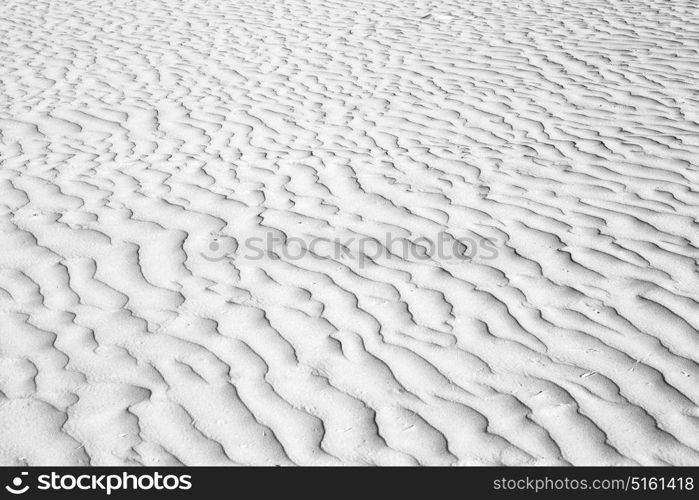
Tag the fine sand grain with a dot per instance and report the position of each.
(148, 147)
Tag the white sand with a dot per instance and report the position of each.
(144, 143)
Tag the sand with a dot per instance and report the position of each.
(148, 148)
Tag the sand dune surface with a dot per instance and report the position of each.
(276, 232)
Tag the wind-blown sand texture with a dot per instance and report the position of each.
(144, 142)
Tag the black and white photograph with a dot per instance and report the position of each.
(312, 233)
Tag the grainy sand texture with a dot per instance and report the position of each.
(479, 221)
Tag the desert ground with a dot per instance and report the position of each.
(278, 232)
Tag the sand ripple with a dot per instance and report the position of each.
(142, 144)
